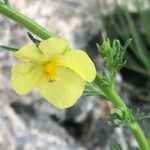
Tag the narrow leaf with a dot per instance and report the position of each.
(34, 40)
(8, 48)
(127, 43)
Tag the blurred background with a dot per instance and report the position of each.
(31, 123)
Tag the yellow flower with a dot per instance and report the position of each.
(58, 71)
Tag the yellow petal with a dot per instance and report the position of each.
(53, 47)
(29, 52)
(65, 91)
(79, 61)
(24, 77)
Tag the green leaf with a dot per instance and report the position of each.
(125, 24)
(34, 40)
(127, 43)
(113, 56)
(92, 90)
(139, 116)
(140, 46)
(121, 117)
(8, 48)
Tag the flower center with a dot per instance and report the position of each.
(50, 70)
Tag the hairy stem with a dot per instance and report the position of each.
(26, 22)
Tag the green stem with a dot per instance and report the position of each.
(115, 99)
(135, 128)
(140, 137)
(111, 95)
(24, 21)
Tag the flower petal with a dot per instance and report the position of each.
(65, 91)
(29, 52)
(25, 76)
(79, 61)
(53, 47)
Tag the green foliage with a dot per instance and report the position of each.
(93, 90)
(124, 117)
(139, 116)
(124, 25)
(113, 59)
(8, 48)
(120, 117)
(112, 54)
(33, 39)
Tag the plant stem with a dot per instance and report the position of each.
(28, 23)
(111, 95)
(140, 137)
(135, 128)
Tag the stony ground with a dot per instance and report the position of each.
(31, 123)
